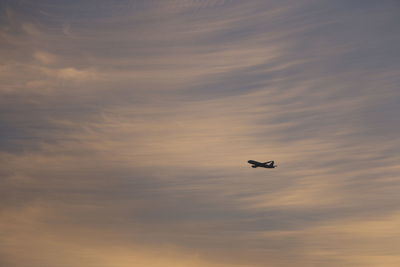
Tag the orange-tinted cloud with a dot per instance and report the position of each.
(126, 128)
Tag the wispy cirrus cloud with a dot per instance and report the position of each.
(126, 127)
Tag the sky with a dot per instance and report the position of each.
(126, 126)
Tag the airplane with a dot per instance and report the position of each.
(268, 164)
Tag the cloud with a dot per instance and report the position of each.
(69, 73)
(125, 141)
(44, 57)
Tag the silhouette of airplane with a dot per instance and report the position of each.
(268, 164)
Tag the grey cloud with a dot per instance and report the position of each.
(134, 126)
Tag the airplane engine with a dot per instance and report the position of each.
(254, 166)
